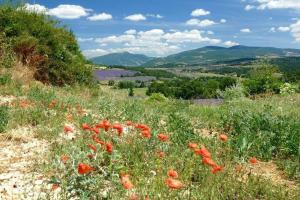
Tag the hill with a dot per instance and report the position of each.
(220, 55)
(123, 59)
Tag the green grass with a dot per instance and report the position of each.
(261, 122)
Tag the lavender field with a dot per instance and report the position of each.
(121, 75)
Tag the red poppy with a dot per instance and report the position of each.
(119, 128)
(161, 154)
(173, 183)
(105, 125)
(208, 161)
(95, 130)
(192, 146)
(84, 168)
(203, 152)
(223, 137)
(109, 147)
(216, 169)
(125, 180)
(55, 186)
(64, 158)
(163, 137)
(129, 123)
(90, 156)
(68, 129)
(94, 148)
(142, 127)
(146, 133)
(94, 137)
(86, 127)
(253, 160)
(172, 173)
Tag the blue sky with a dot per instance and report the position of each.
(163, 27)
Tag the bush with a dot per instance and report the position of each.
(287, 88)
(3, 118)
(126, 84)
(234, 92)
(42, 43)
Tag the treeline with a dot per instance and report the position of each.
(204, 87)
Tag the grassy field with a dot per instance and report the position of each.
(137, 160)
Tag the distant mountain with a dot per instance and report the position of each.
(121, 59)
(219, 55)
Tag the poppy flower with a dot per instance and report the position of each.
(86, 127)
(52, 104)
(134, 197)
(223, 137)
(94, 148)
(216, 169)
(173, 183)
(94, 137)
(146, 134)
(109, 147)
(161, 154)
(125, 180)
(142, 127)
(253, 160)
(105, 125)
(172, 173)
(203, 152)
(90, 156)
(84, 168)
(192, 146)
(68, 129)
(163, 137)
(95, 130)
(208, 161)
(119, 128)
(129, 123)
(64, 158)
(54, 187)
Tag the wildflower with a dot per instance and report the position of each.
(109, 147)
(192, 146)
(129, 123)
(223, 137)
(161, 154)
(125, 180)
(172, 173)
(216, 169)
(105, 125)
(86, 127)
(94, 137)
(208, 161)
(84, 168)
(64, 158)
(173, 183)
(163, 137)
(253, 160)
(119, 128)
(55, 186)
(95, 130)
(90, 156)
(134, 197)
(146, 134)
(203, 152)
(52, 104)
(68, 129)
(142, 127)
(94, 148)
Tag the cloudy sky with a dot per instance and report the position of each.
(163, 27)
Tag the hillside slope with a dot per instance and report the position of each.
(214, 55)
(122, 59)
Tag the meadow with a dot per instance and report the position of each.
(105, 145)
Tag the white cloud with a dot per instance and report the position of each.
(272, 30)
(158, 16)
(199, 12)
(275, 4)
(69, 11)
(100, 17)
(283, 29)
(90, 53)
(35, 8)
(249, 7)
(130, 32)
(245, 30)
(136, 17)
(230, 43)
(154, 42)
(223, 21)
(295, 30)
(210, 32)
(200, 23)
(85, 39)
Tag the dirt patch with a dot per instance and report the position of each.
(20, 152)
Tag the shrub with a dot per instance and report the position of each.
(125, 84)
(3, 118)
(50, 49)
(287, 88)
(234, 92)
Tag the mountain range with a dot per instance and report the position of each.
(202, 56)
